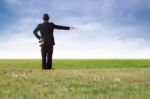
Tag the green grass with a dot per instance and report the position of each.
(75, 79)
(78, 64)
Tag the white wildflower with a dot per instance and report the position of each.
(116, 79)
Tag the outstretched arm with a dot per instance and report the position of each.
(35, 32)
(61, 27)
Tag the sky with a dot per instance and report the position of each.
(103, 28)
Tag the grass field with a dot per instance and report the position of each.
(75, 79)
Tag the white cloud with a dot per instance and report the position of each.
(18, 46)
(92, 38)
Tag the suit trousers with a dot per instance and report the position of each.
(47, 52)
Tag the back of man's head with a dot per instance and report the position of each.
(45, 17)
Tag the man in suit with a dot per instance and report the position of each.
(47, 41)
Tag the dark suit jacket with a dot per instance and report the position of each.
(46, 32)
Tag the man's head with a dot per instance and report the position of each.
(45, 17)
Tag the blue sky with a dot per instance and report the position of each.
(104, 28)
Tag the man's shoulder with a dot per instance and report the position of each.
(51, 23)
(40, 24)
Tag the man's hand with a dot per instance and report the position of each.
(41, 41)
(72, 28)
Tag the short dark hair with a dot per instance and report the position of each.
(45, 17)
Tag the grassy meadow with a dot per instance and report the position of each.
(75, 79)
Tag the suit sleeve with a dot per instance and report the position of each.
(35, 32)
(61, 27)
